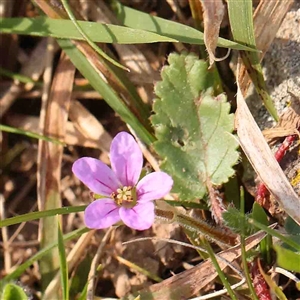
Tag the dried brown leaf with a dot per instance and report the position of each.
(263, 161)
(89, 126)
(213, 13)
(33, 68)
(190, 282)
(289, 121)
(54, 121)
(73, 136)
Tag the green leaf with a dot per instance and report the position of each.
(79, 280)
(182, 33)
(65, 29)
(193, 128)
(234, 218)
(12, 291)
(260, 216)
(287, 257)
(63, 264)
(291, 226)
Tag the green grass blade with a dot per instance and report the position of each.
(86, 37)
(84, 292)
(65, 29)
(20, 77)
(218, 269)
(275, 233)
(63, 264)
(21, 269)
(241, 21)
(182, 33)
(113, 100)
(41, 214)
(233, 218)
(29, 134)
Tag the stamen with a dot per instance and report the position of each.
(125, 196)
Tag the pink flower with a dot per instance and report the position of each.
(122, 197)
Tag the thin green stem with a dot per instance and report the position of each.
(20, 77)
(218, 269)
(63, 263)
(275, 233)
(31, 134)
(243, 248)
(88, 40)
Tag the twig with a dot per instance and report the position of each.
(94, 264)
(7, 257)
(211, 295)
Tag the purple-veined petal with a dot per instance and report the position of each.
(126, 158)
(154, 186)
(140, 217)
(101, 214)
(96, 175)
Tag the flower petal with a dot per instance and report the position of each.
(140, 217)
(154, 186)
(101, 214)
(96, 175)
(126, 158)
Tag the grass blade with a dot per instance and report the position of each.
(86, 37)
(41, 214)
(128, 105)
(241, 21)
(63, 264)
(20, 269)
(113, 100)
(31, 134)
(182, 33)
(65, 29)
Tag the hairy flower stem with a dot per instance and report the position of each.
(219, 235)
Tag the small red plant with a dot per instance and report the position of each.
(262, 194)
(259, 283)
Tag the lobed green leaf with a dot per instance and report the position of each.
(193, 128)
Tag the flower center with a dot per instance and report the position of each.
(125, 196)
